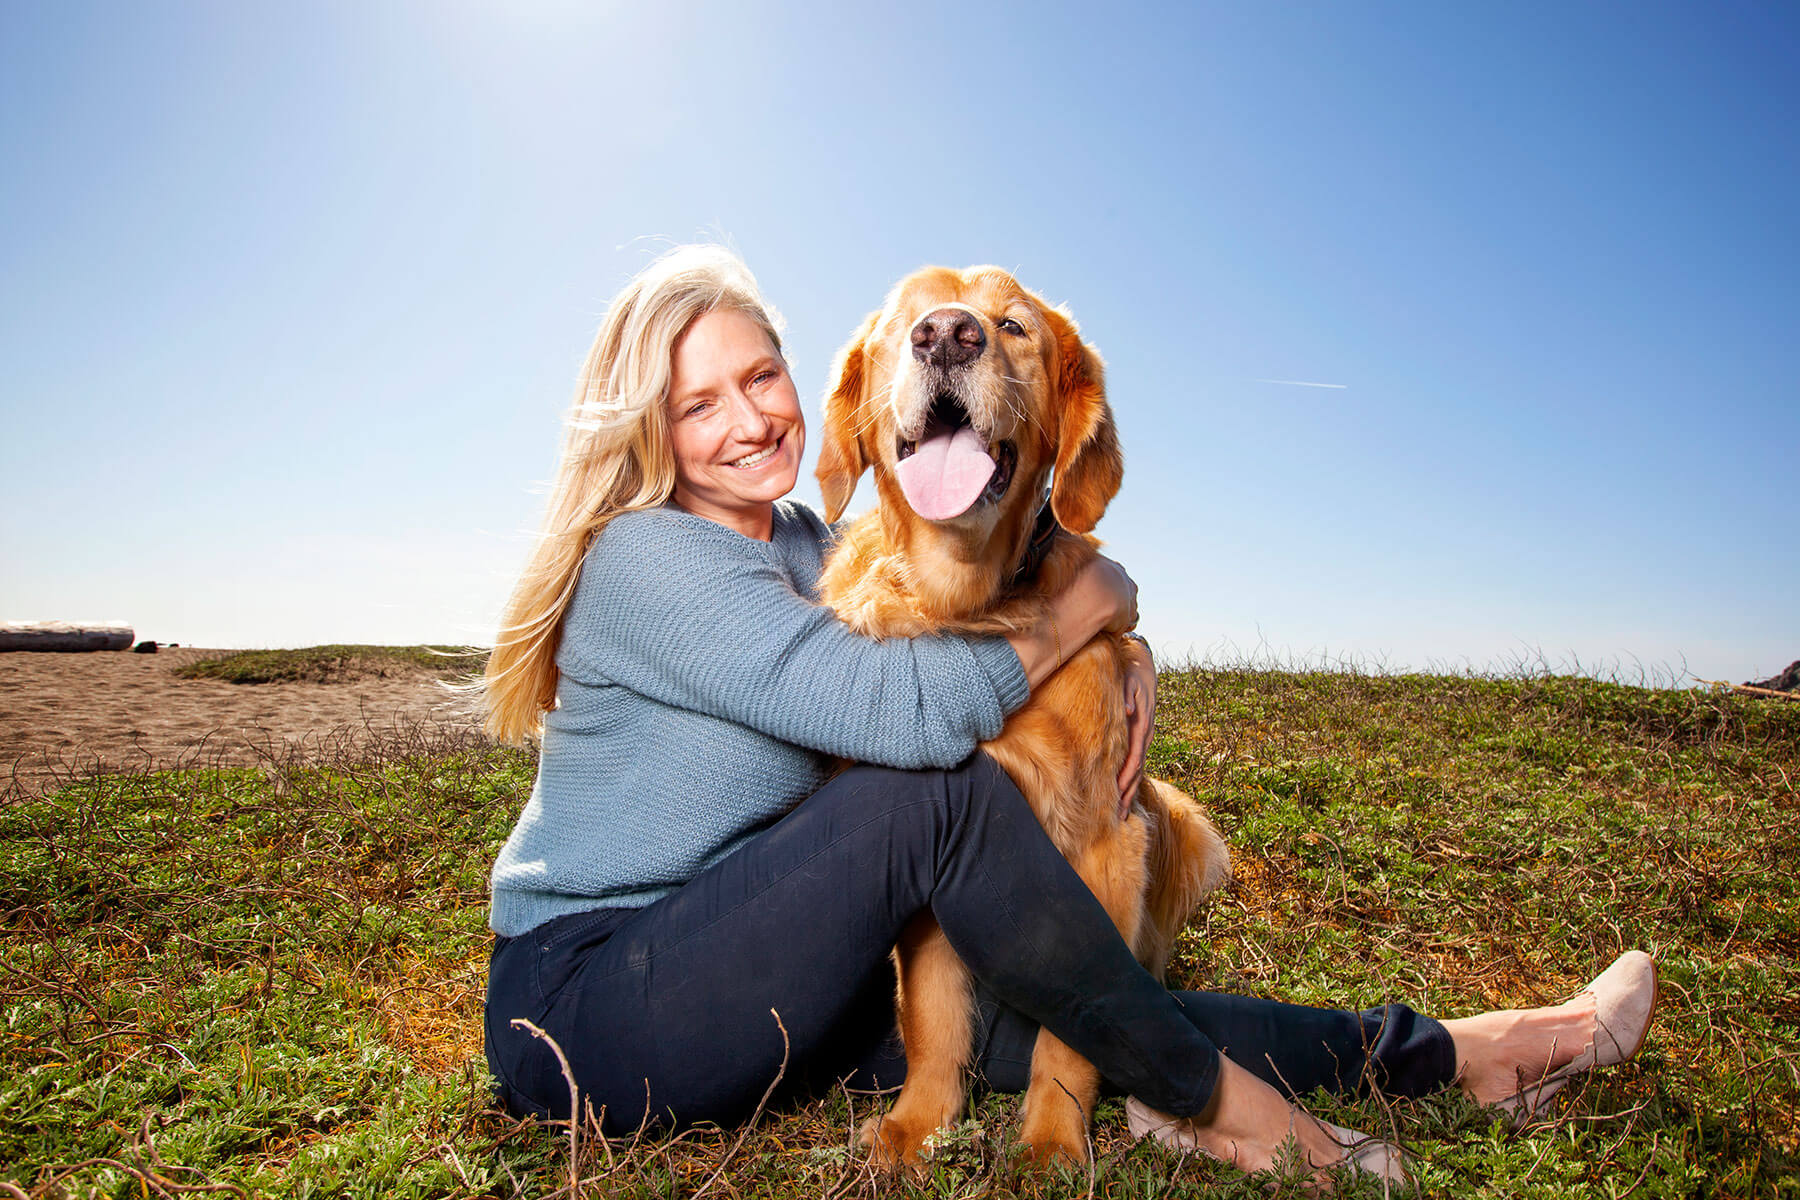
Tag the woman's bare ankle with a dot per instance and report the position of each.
(1254, 1127)
(1499, 1052)
(1250, 1124)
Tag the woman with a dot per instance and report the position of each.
(690, 904)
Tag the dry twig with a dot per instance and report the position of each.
(760, 1105)
(574, 1100)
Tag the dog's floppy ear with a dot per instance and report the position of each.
(1089, 463)
(841, 459)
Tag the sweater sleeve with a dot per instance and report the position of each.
(707, 621)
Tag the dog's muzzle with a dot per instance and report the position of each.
(950, 468)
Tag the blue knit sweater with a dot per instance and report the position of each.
(703, 693)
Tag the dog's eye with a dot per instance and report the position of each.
(1008, 325)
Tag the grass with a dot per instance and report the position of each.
(268, 981)
(338, 664)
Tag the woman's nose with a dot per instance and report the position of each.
(748, 421)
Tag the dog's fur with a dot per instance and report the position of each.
(1035, 392)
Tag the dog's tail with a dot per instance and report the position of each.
(1188, 862)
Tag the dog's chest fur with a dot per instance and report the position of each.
(1064, 747)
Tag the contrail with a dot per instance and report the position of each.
(1303, 383)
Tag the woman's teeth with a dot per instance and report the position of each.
(752, 460)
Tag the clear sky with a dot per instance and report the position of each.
(292, 297)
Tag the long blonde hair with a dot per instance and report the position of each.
(616, 456)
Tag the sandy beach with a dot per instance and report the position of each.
(63, 715)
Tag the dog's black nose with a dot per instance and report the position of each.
(949, 337)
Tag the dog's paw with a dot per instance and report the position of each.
(893, 1143)
(1054, 1141)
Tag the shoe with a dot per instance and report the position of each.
(1370, 1155)
(1624, 1001)
(1361, 1152)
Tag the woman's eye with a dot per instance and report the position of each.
(1008, 325)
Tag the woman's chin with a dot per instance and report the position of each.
(771, 484)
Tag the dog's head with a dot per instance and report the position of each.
(962, 394)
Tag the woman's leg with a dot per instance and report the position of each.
(679, 1003)
(1295, 1048)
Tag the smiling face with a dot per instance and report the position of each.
(734, 421)
(968, 356)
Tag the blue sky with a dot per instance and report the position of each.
(293, 296)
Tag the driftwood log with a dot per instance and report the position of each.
(1787, 681)
(1750, 689)
(60, 635)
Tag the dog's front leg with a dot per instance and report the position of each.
(1059, 1103)
(935, 1010)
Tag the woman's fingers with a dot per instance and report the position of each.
(1140, 716)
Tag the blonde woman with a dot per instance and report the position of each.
(689, 904)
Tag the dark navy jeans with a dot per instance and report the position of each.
(674, 1005)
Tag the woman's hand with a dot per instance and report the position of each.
(1112, 591)
(1140, 716)
(1101, 597)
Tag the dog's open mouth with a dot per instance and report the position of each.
(951, 468)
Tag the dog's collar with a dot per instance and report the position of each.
(1043, 533)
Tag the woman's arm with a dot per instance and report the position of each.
(698, 618)
(1103, 597)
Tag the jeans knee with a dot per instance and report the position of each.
(943, 811)
(974, 781)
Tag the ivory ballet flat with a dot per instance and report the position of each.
(1624, 1001)
(1368, 1154)
(1361, 1152)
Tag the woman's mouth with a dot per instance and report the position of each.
(757, 459)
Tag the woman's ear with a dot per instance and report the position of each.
(1089, 464)
(841, 459)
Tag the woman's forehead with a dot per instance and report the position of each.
(720, 343)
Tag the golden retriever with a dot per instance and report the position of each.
(964, 394)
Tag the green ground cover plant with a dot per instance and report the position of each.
(338, 664)
(267, 981)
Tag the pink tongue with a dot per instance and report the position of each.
(947, 473)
